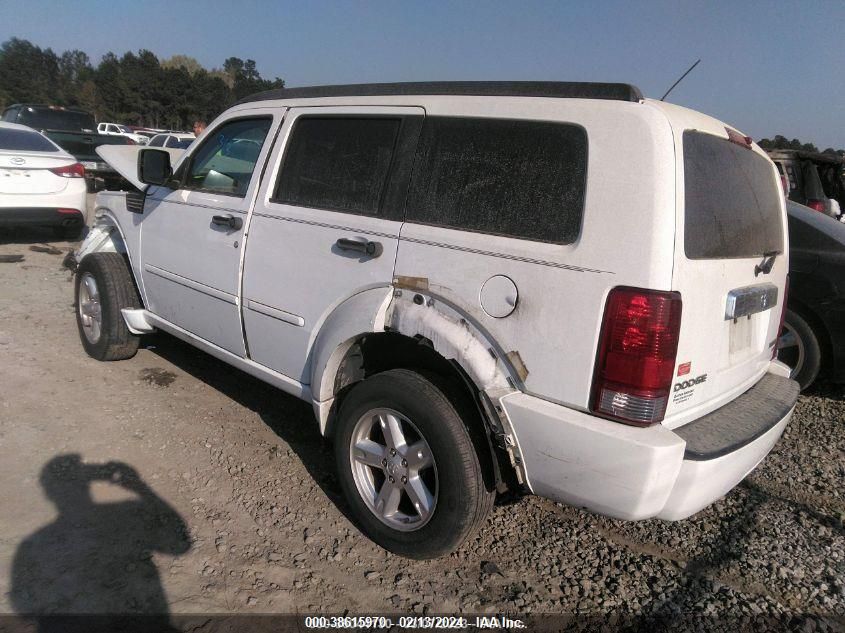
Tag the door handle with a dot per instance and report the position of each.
(360, 245)
(227, 220)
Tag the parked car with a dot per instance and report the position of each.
(815, 180)
(174, 140)
(75, 132)
(40, 183)
(480, 287)
(115, 129)
(812, 341)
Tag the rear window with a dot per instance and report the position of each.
(50, 119)
(522, 179)
(24, 141)
(732, 200)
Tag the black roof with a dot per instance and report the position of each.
(558, 89)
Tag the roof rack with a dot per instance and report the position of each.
(556, 89)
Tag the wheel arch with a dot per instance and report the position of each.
(107, 236)
(390, 328)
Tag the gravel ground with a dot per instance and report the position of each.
(170, 482)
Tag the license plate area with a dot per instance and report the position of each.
(743, 302)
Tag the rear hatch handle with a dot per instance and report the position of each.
(765, 266)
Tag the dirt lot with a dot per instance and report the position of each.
(171, 482)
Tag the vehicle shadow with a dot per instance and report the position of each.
(92, 568)
(35, 235)
(290, 418)
(824, 388)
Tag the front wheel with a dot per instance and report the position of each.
(408, 466)
(104, 287)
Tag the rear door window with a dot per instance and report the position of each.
(339, 163)
(732, 200)
(522, 179)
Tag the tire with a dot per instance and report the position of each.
(459, 501)
(103, 286)
(799, 348)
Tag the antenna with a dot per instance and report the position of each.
(679, 80)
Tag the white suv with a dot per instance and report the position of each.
(556, 288)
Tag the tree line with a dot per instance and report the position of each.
(781, 142)
(134, 89)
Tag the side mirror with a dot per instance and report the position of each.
(154, 167)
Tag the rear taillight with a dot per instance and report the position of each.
(636, 361)
(816, 205)
(70, 171)
(782, 315)
(784, 184)
(129, 141)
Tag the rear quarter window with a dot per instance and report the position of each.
(522, 179)
(732, 200)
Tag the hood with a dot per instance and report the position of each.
(124, 160)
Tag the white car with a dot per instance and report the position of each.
(563, 289)
(116, 129)
(174, 140)
(40, 183)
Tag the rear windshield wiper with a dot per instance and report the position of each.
(765, 266)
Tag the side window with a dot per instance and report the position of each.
(224, 163)
(156, 141)
(338, 163)
(523, 179)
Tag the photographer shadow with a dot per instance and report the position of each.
(95, 560)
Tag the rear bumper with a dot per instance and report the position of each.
(41, 216)
(637, 473)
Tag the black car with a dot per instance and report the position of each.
(812, 341)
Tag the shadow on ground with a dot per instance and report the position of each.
(290, 418)
(96, 557)
(35, 235)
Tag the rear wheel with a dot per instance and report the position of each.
(799, 349)
(408, 466)
(104, 287)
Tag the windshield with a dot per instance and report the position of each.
(24, 141)
(49, 119)
(732, 200)
(181, 143)
(124, 129)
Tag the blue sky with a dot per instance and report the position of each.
(767, 67)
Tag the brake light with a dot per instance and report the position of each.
(70, 171)
(782, 315)
(784, 184)
(816, 205)
(636, 360)
(739, 139)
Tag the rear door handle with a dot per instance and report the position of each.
(227, 220)
(360, 245)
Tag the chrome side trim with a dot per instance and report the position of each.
(274, 313)
(190, 283)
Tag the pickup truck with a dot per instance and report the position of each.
(116, 129)
(75, 132)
